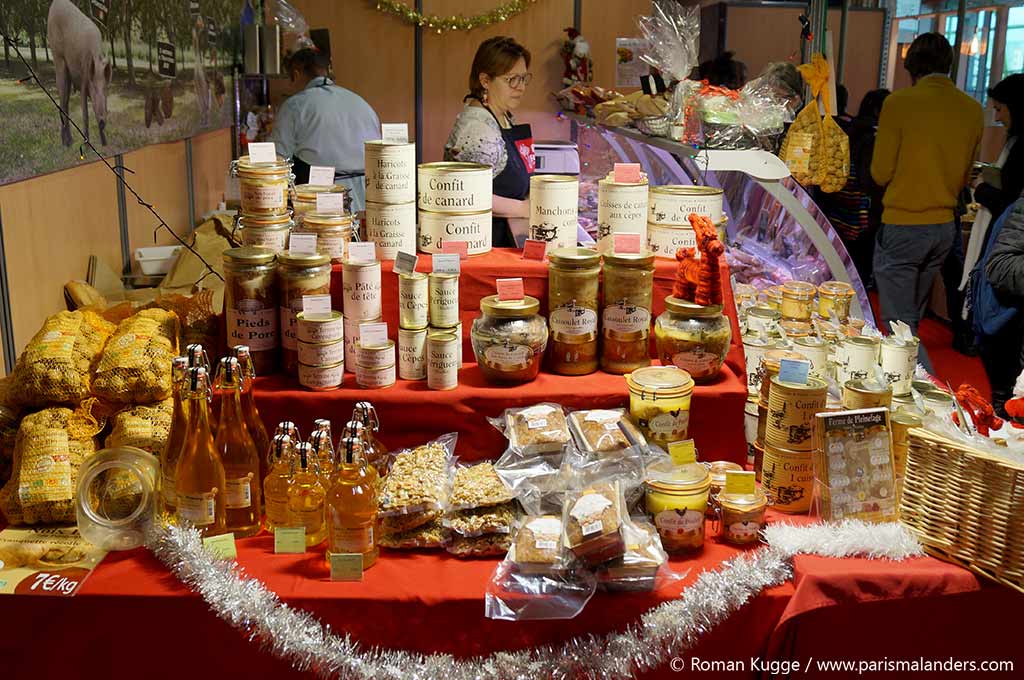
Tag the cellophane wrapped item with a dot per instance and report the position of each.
(644, 565)
(762, 113)
(50, 448)
(721, 122)
(672, 32)
(592, 518)
(433, 534)
(486, 545)
(540, 428)
(480, 505)
(136, 364)
(415, 492)
(56, 366)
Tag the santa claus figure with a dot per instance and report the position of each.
(579, 67)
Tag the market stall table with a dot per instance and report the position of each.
(133, 616)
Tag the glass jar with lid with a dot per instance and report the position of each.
(692, 337)
(763, 319)
(626, 313)
(834, 299)
(676, 500)
(266, 231)
(719, 470)
(741, 517)
(509, 339)
(263, 187)
(298, 275)
(797, 300)
(333, 233)
(250, 304)
(573, 284)
(304, 199)
(659, 402)
(771, 297)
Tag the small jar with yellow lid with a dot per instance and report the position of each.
(676, 500)
(626, 312)
(266, 231)
(333, 233)
(834, 299)
(797, 300)
(509, 339)
(741, 517)
(763, 319)
(771, 297)
(263, 187)
(718, 470)
(693, 337)
(659, 402)
(573, 285)
(304, 198)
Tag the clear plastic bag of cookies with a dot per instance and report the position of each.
(538, 547)
(418, 484)
(430, 535)
(541, 428)
(494, 519)
(477, 486)
(598, 431)
(487, 545)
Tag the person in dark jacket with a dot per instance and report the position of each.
(1003, 354)
(1004, 185)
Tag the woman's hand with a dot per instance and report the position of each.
(510, 207)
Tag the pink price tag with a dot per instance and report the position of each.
(534, 249)
(510, 289)
(626, 242)
(460, 248)
(628, 173)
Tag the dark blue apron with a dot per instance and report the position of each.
(514, 180)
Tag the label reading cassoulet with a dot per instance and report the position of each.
(256, 328)
(238, 492)
(572, 319)
(508, 357)
(625, 318)
(200, 509)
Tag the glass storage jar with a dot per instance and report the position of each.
(676, 500)
(693, 337)
(659, 402)
(573, 283)
(509, 339)
(333, 233)
(266, 231)
(626, 313)
(250, 304)
(298, 275)
(718, 470)
(741, 517)
(304, 199)
(834, 299)
(771, 297)
(797, 300)
(263, 187)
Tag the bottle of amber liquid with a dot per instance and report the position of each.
(352, 506)
(249, 411)
(306, 498)
(323, 451)
(288, 427)
(355, 430)
(277, 481)
(238, 453)
(375, 452)
(197, 358)
(176, 435)
(199, 478)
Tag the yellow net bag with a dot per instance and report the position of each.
(50, 448)
(803, 149)
(835, 165)
(136, 364)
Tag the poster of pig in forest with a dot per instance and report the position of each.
(128, 72)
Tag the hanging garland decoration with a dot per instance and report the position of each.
(664, 632)
(441, 24)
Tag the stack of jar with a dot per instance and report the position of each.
(621, 208)
(454, 201)
(769, 366)
(413, 319)
(668, 210)
(299, 275)
(321, 351)
(554, 210)
(375, 364)
(391, 197)
(251, 303)
(333, 231)
(361, 303)
(263, 214)
(787, 469)
(444, 337)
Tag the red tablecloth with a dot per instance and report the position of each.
(411, 413)
(132, 617)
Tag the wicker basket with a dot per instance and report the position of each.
(966, 507)
(654, 126)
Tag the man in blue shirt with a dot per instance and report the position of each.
(324, 124)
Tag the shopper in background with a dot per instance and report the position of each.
(1002, 351)
(856, 210)
(928, 137)
(788, 85)
(842, 101)
(724, 71)
(324, 124)
(485, 132)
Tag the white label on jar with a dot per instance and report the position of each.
(255, 328)
(744, 530)
(670, 424)
(390, 172)
(320, 331)
(371, 379)
(666, 241)
(375, 357)
(412, 355)
(623, 317)
(273, 239)
(588, 507)
(392, 228)
(325, 354)
(508, 357)
(676, 208)
(679, 522)
(443, 367)
(200, 509)
(412, 302)
(696, 361)
(361, 292)
(332, 245)
(444, 302)
(321, 377)
(571, 319)
(289, 339)
(437, 228)
(462, 191)
(263, 196)
(620, 209)
(238, 492)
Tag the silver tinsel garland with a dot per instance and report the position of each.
(664, 632)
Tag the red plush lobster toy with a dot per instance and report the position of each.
(698, 280)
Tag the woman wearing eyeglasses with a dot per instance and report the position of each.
(486, 133)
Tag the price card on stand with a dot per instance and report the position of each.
(395, 133)
(445, 263)
(346, 567)
(794, 371)
(740, 482)
(626, 243)
(535, 250)
(460, 248)
(510, 289)
(362, 251)
(262, 152)
(289, 540)
(627, 173)
(302, 244)
(373, 334)
(330, 202)
(405, 263)
(683, 452)
(316, 306)
(223, 546)
(321, 175)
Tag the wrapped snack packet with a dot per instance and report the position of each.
(430, 535)
(477, 486)
(592, 519)
(597, 430)
(495, 519)
(487, 545)
(536, 429)
(638, 568)
(416, 490)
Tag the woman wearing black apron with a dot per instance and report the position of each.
(484, 132)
